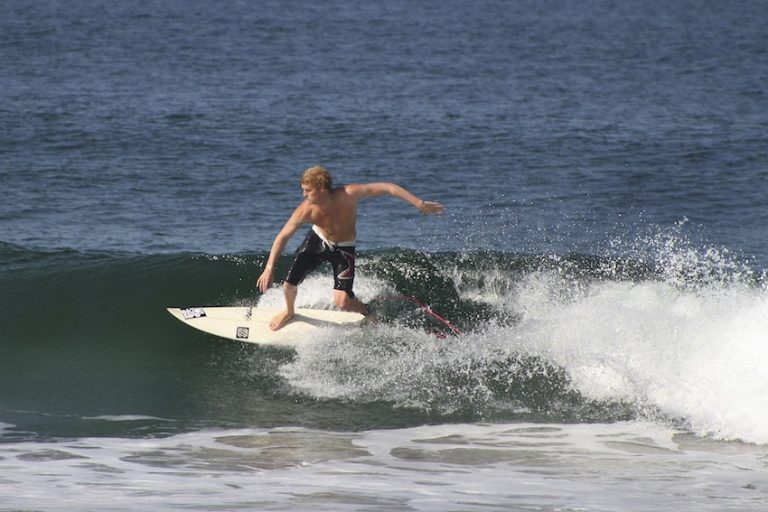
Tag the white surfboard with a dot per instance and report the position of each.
(251, 324)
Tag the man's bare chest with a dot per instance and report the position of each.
(335, 220)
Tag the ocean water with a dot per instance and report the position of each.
(604, 168)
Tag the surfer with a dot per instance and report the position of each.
(333, 214)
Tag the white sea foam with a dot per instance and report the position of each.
(621, 466)
(688, 344)
(125, 417)
(687, 358)
(691, 344)
(694, 355)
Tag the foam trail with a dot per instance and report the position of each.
(681, 336)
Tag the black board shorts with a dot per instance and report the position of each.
(313, 251)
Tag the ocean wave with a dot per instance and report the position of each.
(676, 334)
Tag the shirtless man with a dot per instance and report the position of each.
(332, 213)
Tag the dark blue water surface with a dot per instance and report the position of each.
(593, 140)
(543, 126)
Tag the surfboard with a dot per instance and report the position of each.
(251, 324)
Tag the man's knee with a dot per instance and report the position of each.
(289, 290)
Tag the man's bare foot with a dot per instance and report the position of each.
(279, 321)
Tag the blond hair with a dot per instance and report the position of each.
(317, 177)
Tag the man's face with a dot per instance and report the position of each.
(311, 194)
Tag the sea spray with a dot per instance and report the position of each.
(687, 341)
(696, 357)
(678, 336)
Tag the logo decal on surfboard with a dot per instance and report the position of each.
(242, 333)
(190, 313)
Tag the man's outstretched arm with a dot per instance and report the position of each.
(392, 189)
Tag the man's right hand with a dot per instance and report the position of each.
(265, 280)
